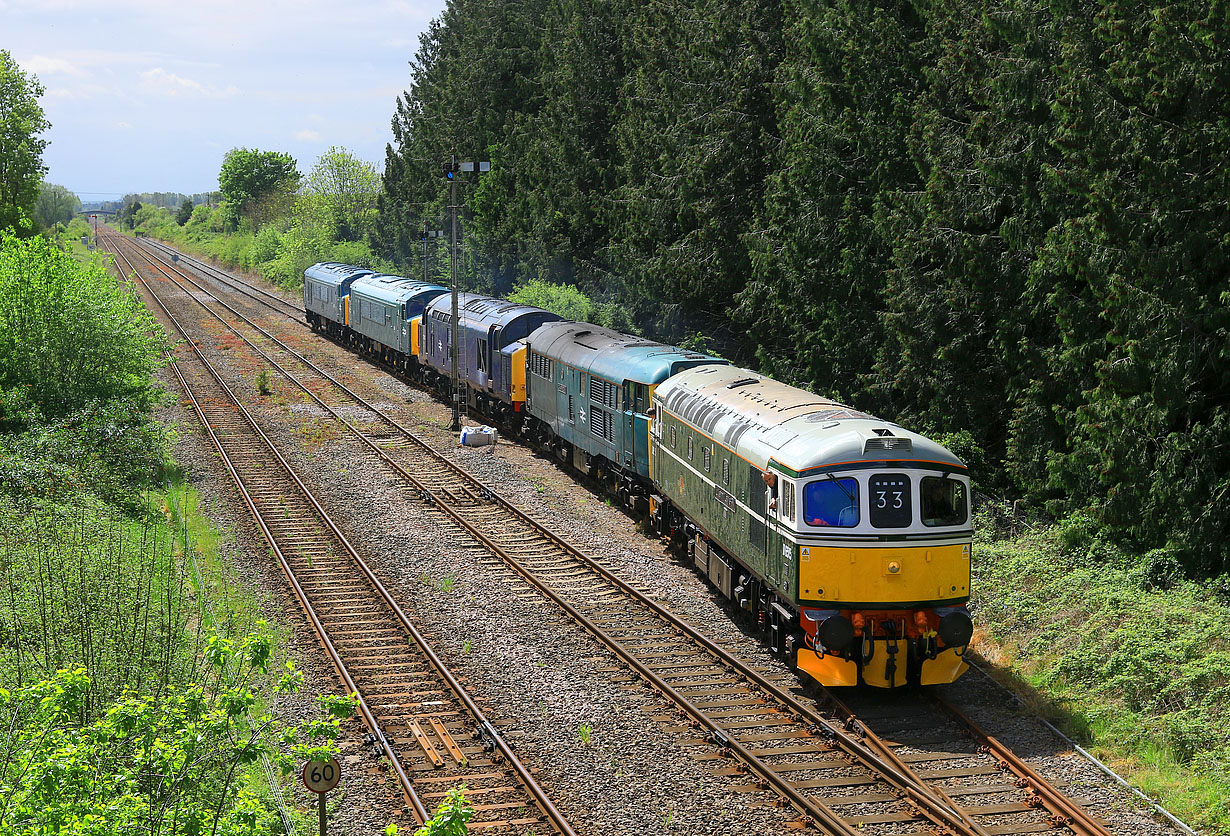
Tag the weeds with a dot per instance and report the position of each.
(584, 732)
(1140, 676)
(317, 432)
(262, 382)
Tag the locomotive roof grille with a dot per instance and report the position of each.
(836, 413)
(903, 445)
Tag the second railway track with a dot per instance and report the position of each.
(836, 774)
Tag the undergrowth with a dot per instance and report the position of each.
(1131, 661)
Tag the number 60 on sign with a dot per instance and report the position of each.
(321, 777)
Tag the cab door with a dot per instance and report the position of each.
(629, 417)
(636, 427)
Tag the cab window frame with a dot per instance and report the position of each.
(832, 488)
(956, 486)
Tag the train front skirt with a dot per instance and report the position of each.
(882, 668)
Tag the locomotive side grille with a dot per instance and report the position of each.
(540, 365)
(602, 392)
(600, 424)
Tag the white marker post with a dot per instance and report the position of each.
(320, 778)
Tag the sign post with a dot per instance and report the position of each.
(320, 778)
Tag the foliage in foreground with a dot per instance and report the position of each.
(451, 816)
(1138, 659)
(159, 766)
(127, 705)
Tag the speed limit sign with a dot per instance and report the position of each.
(321, 777)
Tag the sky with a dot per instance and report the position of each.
(149, 95)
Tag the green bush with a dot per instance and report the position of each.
(172, 766)
(265, 246)
(70, 335)
(563, 299)
(1141, 673)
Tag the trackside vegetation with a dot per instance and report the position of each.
(274, 223)
(1136, 671)
(139, 692)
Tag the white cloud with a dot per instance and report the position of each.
(84, 91)
(159, 82)
(45, 65)
(307, 136)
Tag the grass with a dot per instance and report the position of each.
(226, 604)
(1135, 669)
(445, 583)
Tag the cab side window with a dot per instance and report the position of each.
(943, 501)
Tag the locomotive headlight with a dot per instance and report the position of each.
(956, 629)
(835, 633)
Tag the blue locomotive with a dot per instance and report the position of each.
(845, 537)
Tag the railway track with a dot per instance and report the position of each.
(836, 772)
(419, 716)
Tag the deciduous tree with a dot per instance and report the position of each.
(21, 148)
(255, 185)
(55, 204)
(347, 189)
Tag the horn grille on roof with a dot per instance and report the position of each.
(875, 445)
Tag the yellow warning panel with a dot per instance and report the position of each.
(895, 574)
(831, 670)
(945, 667)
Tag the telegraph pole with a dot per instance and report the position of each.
(451, 169)
(454, 327)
